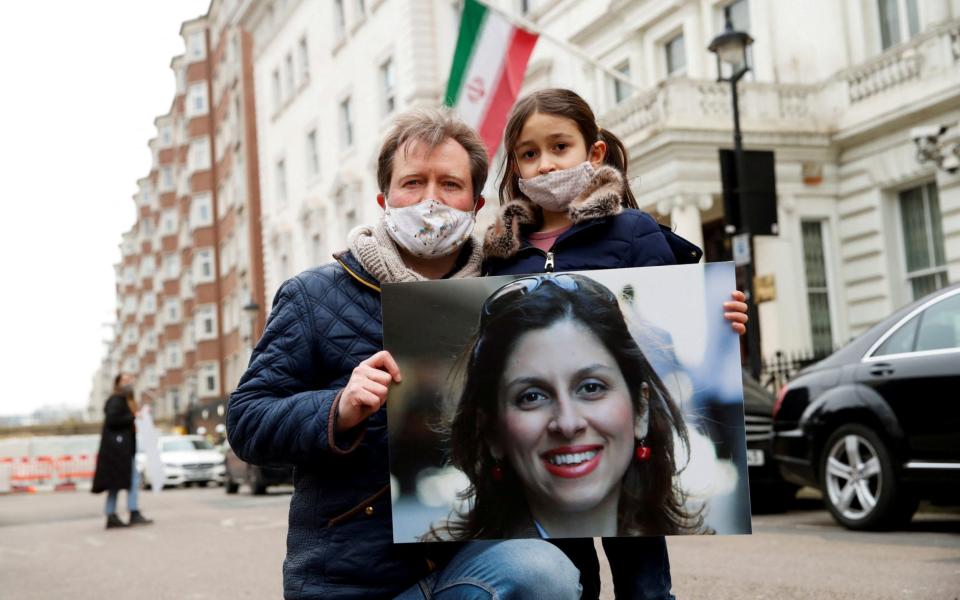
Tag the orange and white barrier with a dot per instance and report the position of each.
(29, 474)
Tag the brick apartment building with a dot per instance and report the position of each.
(190, 281)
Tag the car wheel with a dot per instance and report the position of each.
(255, 480)
(860, 487)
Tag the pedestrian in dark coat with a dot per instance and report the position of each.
(116, 468)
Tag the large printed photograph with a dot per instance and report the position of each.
(603, 403)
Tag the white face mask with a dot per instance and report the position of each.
(429, 228)
(556, 190)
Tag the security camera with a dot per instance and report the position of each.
(927, 133)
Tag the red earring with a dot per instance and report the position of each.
(496, 471)
(642, 453)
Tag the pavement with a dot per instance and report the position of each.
(206, 544)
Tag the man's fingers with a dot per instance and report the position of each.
(383, 360)
(738, 296)
(373, 374)
(378, 390)
(735, 306)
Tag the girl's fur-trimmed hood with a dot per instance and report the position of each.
(601, 198)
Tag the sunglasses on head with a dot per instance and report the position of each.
(517, 288)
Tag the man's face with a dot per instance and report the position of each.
(441, 174)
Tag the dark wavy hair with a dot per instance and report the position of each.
(651, 502)
(561, 103)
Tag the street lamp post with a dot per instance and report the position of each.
(730, 48)
(252, 308)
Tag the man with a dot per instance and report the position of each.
(116, 468)
(315, 390)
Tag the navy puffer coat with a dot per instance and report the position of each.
(323, 323)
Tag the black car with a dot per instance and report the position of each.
(256, 477)
(876, 425)
(769, 492)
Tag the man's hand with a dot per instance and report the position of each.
(736, 312)
(367, 389)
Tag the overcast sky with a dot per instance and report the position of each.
(82, 83)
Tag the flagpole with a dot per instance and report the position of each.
(532, 27)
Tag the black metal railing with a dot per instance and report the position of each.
(777, 370)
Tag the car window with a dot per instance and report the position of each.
(940, 327)
(178, 446)
(202, 445)
(902, 340)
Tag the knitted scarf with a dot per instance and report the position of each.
(378, 254)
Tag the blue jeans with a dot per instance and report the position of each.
(511, 569)
(132, 493)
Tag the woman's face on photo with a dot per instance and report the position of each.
(566, 421)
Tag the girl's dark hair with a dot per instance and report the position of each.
(561, 103)
(651, 503)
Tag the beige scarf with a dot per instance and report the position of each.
(378, 254)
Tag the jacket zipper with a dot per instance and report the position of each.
(548, 265)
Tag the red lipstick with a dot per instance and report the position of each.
(572, 470)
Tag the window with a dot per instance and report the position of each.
(346, 124)
(388, 83)
(168, 222)
(818, 298)
(339, 20)
(171, 310)
(281, 182)
(166, 136)
(203, 266)
(197, 99)
(166, 179)
(206, 322)
(277, 92)
(304, 56)
(149, 303)
(201, 210)
(899, 21)
(313, 157)
(923, 239)
(174, 358)
(361, 9)
(622, 90)
(288, 75)
(209, 379)
(197, 45)
(171, 265)
(199, 158)
(676, 56)
(940, 327)
(525, 6)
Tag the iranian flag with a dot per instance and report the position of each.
(488, 67)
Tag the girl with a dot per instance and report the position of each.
(566, 206)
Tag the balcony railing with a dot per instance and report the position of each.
(930, 62)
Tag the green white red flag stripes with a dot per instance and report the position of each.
(487, 72)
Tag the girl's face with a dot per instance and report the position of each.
(553, 143)
(566, 421)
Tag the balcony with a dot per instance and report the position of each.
(918, 74)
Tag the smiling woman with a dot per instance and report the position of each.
(562, 426)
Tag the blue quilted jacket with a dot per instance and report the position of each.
(323, 323)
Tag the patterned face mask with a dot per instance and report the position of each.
(555, 191)
(429, 228)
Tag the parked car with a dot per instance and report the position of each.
(187, 460)
(769, 491)
(876, 425)
(256, 477)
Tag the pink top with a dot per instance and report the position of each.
(544, 239)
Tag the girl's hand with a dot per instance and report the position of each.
(735, 311)
(367, 389)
